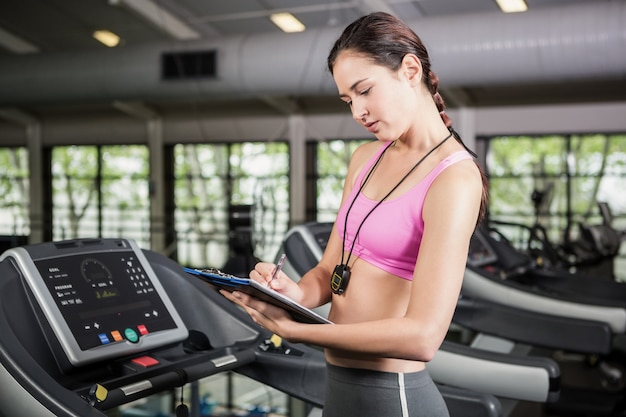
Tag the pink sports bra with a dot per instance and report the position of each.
(390, 237)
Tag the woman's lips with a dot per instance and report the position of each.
(371, 127)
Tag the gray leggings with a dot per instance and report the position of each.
(354, 392)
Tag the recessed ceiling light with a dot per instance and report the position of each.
(287, 22)
(110, 39)
(512, 6)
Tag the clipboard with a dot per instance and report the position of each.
(231, 283)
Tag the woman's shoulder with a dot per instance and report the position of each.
(365, 152)
(459, 175)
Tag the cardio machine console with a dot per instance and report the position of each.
(480, 251)
(96, 299)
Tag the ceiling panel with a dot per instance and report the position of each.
(66, 26)
(442, 8)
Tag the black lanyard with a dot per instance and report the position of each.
(341, 274)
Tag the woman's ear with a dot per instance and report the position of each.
(412, 68)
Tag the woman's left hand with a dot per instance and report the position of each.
(268, 316)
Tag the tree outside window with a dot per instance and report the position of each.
(14, 192)
(209, 179)
(555, 182)
(101, 191)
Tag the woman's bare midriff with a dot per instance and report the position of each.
(372, 294)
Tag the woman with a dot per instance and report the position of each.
(412, 200)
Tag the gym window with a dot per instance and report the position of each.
(99, 191)
(210, 179)
(328, 169)
(14, 197)
(556, 182)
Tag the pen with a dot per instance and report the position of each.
(279, 265)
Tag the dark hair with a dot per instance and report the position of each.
(385, 39)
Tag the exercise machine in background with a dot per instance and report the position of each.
(590, 250)
(503, 277)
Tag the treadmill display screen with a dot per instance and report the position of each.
(105, 297)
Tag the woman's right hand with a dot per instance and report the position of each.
(263, 272)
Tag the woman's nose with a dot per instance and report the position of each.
(359, 112)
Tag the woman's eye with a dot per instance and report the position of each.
(365, 92)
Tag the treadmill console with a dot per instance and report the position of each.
(480, 251)
(96, 299)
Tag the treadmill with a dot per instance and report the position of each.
(510, 264)
(87, 325)
(503, 280)
(550, 292)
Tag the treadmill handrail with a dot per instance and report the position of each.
(511, 376)
(478, 286)
(539, 329)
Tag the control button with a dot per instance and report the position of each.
(104, 339)
(142, 329)
(116, 335)
(145, 361)
(131, 335)
(276, 340)
(97, 393)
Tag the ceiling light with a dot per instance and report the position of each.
(287, 22)
(16, 44)
(110, 39)
(512, 6)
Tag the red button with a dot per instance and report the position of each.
(142, 329)
(145, 361)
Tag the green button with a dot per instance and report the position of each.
(131, 335)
